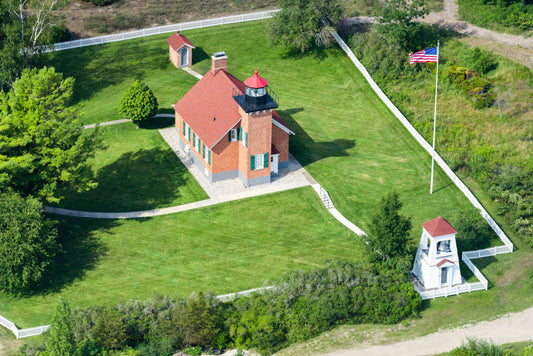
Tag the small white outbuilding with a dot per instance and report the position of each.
(437, 261)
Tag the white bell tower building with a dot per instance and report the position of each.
(437, 261)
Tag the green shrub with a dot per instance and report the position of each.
(478, 347)
(480, 60)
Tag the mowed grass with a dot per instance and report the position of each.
(345, 137)
(104, 72)
(224, 248)
(136, 171)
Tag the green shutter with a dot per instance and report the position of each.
(208, 157)
(245, 139)
(266, 160)
(189, 134)
(239, 134)
(203, 150)
(252, 162)
(184, 133)
(193, 139)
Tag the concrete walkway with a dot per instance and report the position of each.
(514, 327)
(192, 72)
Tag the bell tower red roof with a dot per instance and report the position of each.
(439, 227)
(255, 81)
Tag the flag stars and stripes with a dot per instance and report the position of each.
(424, 56)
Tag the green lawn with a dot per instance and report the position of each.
(345, 137)
(104, 72)
(224, 248)
(136, 171)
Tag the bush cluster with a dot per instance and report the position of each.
(300, 306)
(478, 89)
(513, 14)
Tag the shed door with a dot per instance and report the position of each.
(184, 57)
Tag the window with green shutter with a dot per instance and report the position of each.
(245, 139)
(184, 133)
(252, 162)
(203, 150)
(266, 161)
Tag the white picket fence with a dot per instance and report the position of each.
(20, 333)
(162, 29)
(467, 256)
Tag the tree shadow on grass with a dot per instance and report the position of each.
(80, 251)
(157, 123)
(305, 149)
(95, 68)
(141, 180)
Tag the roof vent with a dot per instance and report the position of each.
(219, 54)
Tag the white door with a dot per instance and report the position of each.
(274, 164)
(444, 276)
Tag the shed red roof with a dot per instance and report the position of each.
(177, 40)
(210, 110)
(255, 81)
(443, 262)
(439, 227)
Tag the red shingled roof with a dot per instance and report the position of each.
(177, 40)
(210, 110)
(443, 262)
(439, 227)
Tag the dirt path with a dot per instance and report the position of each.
(516, 48)
(513, 327)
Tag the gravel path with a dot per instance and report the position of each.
(516, 48)
(447, 18)
(514, 327)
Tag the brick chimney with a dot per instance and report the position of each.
(219, 60)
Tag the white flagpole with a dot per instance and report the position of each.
(434, 121)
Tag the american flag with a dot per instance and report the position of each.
(424, 56)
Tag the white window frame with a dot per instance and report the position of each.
(259, 161)
(234, 136)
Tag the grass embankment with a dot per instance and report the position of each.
(224, 248)
(136, 171)
(345, 137)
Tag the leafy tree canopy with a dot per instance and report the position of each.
(138, 103)
(398, 22)
(300, 23)
(42, 144)
(27, 243)
(24, 27)
(389, 231)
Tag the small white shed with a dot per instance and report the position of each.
(437, 261)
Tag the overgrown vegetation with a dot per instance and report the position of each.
(302, 24)
(487, 139)
(502, 15)
(300, 306)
